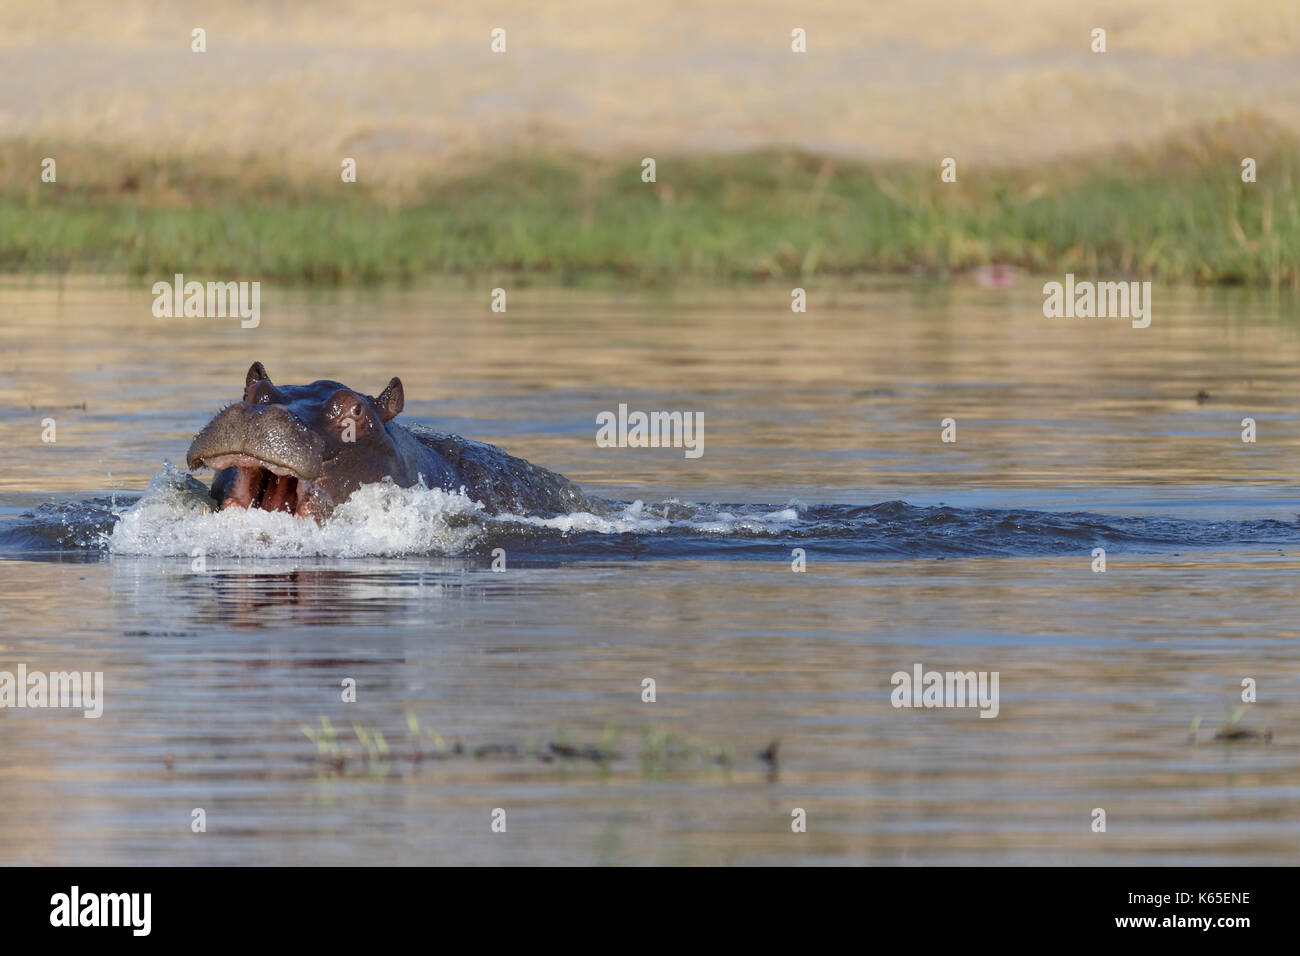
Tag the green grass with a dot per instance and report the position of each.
(1180, 213)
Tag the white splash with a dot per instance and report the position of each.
(175, 517)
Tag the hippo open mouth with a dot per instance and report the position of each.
(256, 483)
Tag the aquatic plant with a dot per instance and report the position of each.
(1233, 729)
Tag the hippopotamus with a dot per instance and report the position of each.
(304, 449)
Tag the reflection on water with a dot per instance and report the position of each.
(211, 677)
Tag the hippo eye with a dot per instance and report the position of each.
(356, 410)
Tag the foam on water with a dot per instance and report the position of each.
(175, 518)
(640, 518)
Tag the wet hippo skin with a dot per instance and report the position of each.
(304, 449)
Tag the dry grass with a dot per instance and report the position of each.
(407, 86)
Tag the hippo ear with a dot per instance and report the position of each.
(256, 373)
(391, 400)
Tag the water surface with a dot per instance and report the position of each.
(522, 689)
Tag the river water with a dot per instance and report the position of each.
(521, 689)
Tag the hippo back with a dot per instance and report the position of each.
(502, 482)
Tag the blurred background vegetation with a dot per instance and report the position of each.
(769, 163)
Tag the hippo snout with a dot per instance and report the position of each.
(265, 435)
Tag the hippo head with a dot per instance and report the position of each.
(297, 448)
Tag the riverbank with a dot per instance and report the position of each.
(1178, 212)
